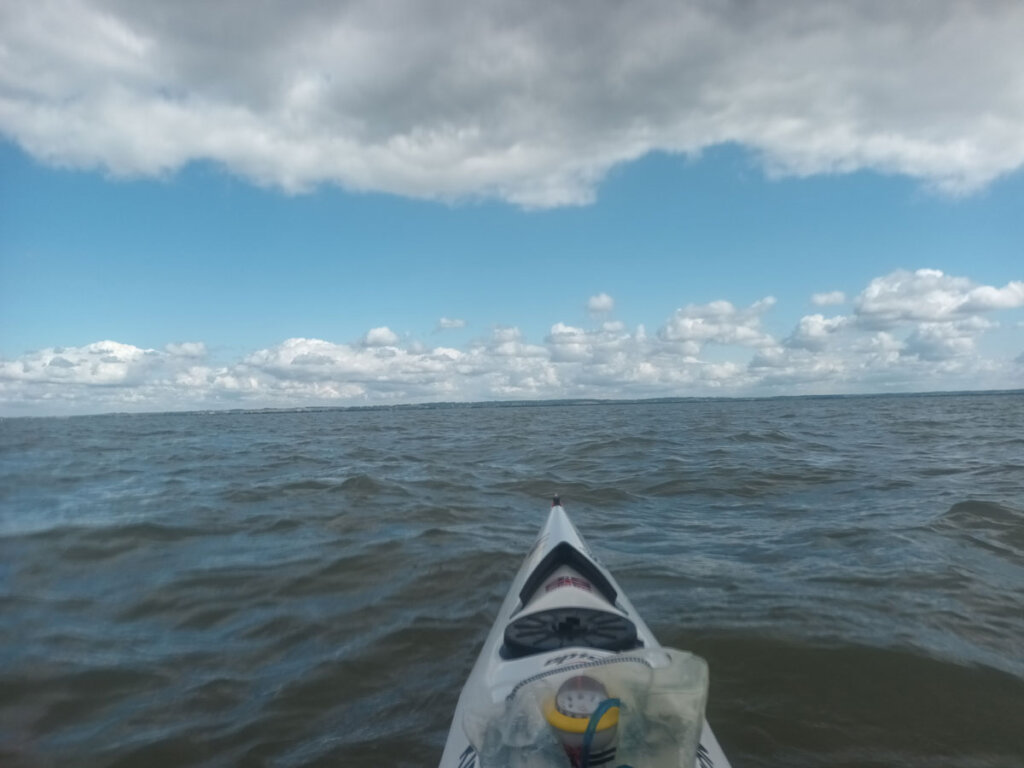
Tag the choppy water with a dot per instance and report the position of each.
(311, 588)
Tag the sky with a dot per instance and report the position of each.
(238, 205)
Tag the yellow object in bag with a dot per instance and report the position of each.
(649, 706)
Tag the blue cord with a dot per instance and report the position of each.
(588, 735)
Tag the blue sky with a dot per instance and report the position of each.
(178, 233)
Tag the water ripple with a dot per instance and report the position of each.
(311, 588)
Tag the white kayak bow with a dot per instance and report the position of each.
(570, 676)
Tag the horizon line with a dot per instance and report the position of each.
(540, 403)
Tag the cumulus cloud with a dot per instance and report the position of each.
(194, 349)
(908, 331)
(531, 102)
(813, 331)
(106, 374)
(945, 341)
(380, 337)
(719, 322)
(100, 363)
(828, 299)
(600, 303)
(929, 295)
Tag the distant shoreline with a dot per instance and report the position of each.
(547, 403)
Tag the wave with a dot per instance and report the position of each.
(781, 701)
(998, 527)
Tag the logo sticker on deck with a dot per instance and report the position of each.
(568, 581)
(574, 657)
(468, 758)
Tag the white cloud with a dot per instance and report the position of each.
(105, 375)
(380, 337)
(100, 363)
(920, 333)
(880, 349)
(828, 299)
(195, 349)
(507, 342)
(930, 295)
(530, 102)
(813, 331)
(719, 322)
(602, 346)
(600, 303)
(985, 298)
(909, 330)
(944, 341)
(446, 323)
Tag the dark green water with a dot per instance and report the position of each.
(311, 588)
